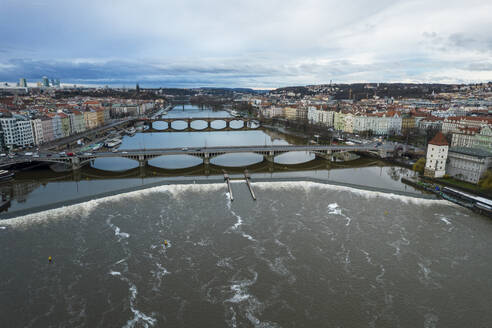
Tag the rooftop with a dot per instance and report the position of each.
(471, 151)
(439, 140)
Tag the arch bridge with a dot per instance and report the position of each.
(248, 123)
(144, 155)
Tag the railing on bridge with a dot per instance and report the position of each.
(143, 156)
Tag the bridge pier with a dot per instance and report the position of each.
(142, 161)
(75, 163)
(206, 159)
(270, 157)
(328, 155)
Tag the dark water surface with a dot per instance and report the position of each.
(302, 255)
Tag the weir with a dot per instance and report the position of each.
(247, 178)
(228, 181)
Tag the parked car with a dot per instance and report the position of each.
(70, 154)
(28, 153)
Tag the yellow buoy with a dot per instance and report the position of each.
(165, 242)
(385, 212)
(50, 259)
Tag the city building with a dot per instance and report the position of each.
(77, 124)
(47, 126)
(23, 83)
(437, 153)
(37, 128)
(17, 131)
(46, 81)
(472, 137)
(468, 164)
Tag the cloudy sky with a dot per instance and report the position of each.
(253, 43)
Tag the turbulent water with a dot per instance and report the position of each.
(302, 255)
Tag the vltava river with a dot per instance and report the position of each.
(303, 255)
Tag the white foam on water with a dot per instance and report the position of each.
(3, 228)
(83, 210)
(368, 257)
(138, 316)
(240, 289)
(248, 304)
(336, 210)
(239, 220)
(446, 220)
(379, 277)
(158, 275)
(115, 273)
(225, 263)
(117, 230)
(309, 185)
(287, 248)
(120, 261)
(430, 320)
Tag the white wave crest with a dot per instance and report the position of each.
(309, 186)
(83, 210)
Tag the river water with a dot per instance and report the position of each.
(43, 187)
(303, 255)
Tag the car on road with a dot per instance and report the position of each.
(70, 154)
(124, 152)
(28, 153)
(87, 154)
(184, 148)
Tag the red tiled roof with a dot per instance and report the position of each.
(439, 140)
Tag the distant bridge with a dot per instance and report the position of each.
(247, 123)
(206, 153)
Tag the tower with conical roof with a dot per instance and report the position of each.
(437, 154)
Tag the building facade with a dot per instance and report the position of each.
(437, 154)
(468, 164)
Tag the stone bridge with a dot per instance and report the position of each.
(143, 156)
(247, 123)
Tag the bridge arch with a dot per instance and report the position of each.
(237, 159)
(175, 161)
(179, 124)
(218, 124)
(237, 124)
(159, 125)
(294, 157)
(199, 124)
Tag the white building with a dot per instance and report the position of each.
(77, 123)
(37, 128)
(468, 164)
(437, 154)
(17, 131)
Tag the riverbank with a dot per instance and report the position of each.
(354, 187)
